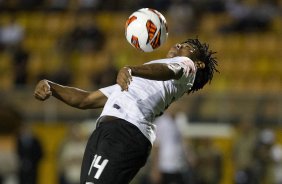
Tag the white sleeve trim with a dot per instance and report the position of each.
(107, 91)
(175, 67)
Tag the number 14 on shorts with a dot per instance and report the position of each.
(99, 164)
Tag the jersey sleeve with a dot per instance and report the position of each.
(107, 91)
(176, 64)
(189, 71)
(182, 63)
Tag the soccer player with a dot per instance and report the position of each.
(124, 134)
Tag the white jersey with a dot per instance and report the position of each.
(146, 99)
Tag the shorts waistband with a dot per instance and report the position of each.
(104, 119)
(107, 118)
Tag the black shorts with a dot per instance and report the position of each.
(115, 152)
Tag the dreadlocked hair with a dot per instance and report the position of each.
(205, 55)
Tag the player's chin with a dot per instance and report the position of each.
(171, 55)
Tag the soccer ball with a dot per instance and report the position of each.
(146, 29)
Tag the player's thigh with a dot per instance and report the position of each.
(115, 163)
(118, 156)
(88, 154)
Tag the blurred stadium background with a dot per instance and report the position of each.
(81, 43)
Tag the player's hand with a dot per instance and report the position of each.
(42, 90)
(124, 78)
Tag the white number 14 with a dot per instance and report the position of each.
(100, 167)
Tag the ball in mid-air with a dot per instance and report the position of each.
(146, 29)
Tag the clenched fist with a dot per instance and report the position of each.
(42, 90)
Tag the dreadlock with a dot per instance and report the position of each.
(205, 55)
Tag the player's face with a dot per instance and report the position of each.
(187, 50)
(183, 49)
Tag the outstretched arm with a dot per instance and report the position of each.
(74, 97)
(154, 71)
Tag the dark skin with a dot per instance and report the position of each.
(150, 72)
(82, 99)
